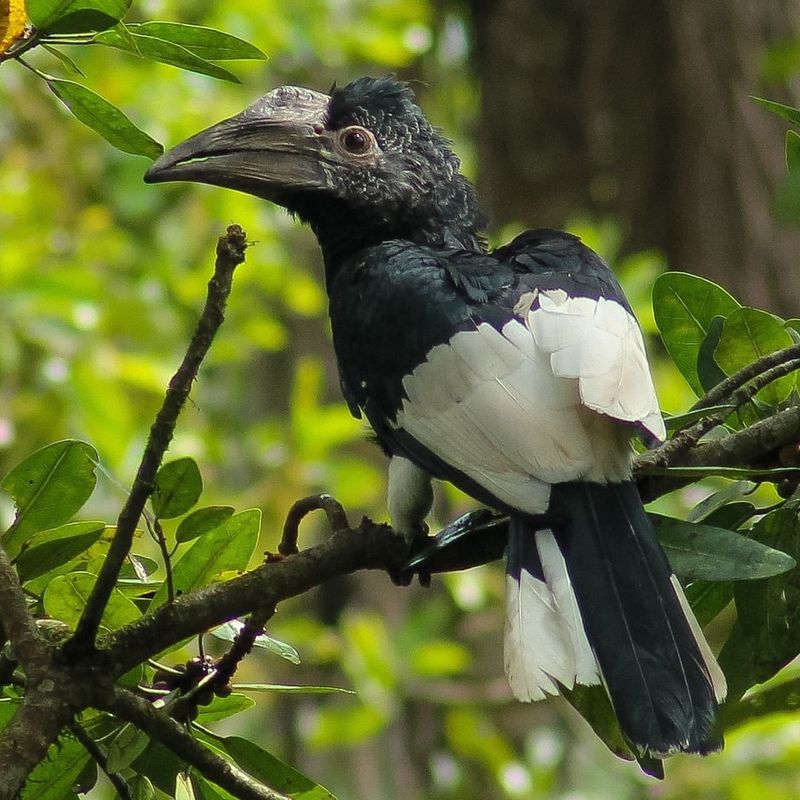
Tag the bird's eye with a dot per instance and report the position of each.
(356, 140)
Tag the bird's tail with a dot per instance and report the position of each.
(593, 599)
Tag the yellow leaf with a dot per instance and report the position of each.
(13, 21)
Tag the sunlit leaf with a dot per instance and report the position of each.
(183, 787)
(66, 595)
(702, 552)
(748, 335)
(76, 16)
(228, 632)
(104, 118)
(789, 113)
(684, 306)
(201, 521)
(48, 487)
(229, 547)
(282, 688)
(178, 486)
(204, 42)
(57, 546)
(163, 51)
(276, 774)
(222, 707)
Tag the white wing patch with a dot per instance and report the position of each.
(545, 643)
(599, 343)
(511, 409)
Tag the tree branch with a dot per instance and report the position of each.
(230, 253)
(370, 546)
(158, 726)
(18, 624)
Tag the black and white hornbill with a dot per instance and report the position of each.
(519, 375)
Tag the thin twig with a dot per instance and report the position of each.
(98, 756)
(689, 437)
(337, 519)
(158, 726)
(230, 253)
(726, 387)
(242, 645)
(157, 532)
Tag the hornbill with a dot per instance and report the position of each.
(519, 375)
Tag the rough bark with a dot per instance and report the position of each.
(642, 111)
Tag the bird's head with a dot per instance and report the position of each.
(360, 165)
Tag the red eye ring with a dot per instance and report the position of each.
(356, 140)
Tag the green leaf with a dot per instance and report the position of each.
(207, 43)
(789, 113)
(163, 51)
(708, 598)
(49, 549)
(65, 598)
(684, 306)
(228, 632)
(129, 743)
(178, 487)
(282, 688)
(708, 372)
(592, 703)
(201, 521)
(702, 552)
(229, 547)
(183, 787)
(793, 151)
(718, 499)
(48, 487)
(222, 707)
(754, 473)
(276, 774)
(768, 624)
(679, 421)
(76, 16)
(104, 118)
(70, 65)
(141, 788)
(748, 335)
(53, 778)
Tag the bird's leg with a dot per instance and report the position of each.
(410, 498)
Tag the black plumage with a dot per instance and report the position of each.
(518, 374)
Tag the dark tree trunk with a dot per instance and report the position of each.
(642, 111)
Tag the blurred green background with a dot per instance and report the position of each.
(630, 125)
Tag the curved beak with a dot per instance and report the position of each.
(278, 144)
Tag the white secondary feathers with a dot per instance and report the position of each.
(545, 643)
(538, 402)
(599, 343)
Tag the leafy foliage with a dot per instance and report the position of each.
(83, 370)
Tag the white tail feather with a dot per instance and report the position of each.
(715, 672)
(545, 643)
